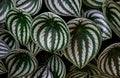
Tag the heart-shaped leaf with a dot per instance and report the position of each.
(19, 23)
(20, 63)
(85, 41)
(109, 60)
(57, 67)
(98, 17)
(50, 32)
(65, 7)
(30, 6)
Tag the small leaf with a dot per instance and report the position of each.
(57, 67)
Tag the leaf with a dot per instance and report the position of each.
(98, 17)
(85, 41)
(2, 67)
(5, 6)
(42, 72)
(57, 67)
(9, 39)
(50, 32)
(4, 49)
(19, 23)
(109, 60)
(33, 48)
(94, 3)
(30, 6)
(89, 70)
(111, 11)
(65, 7)
(20, 63)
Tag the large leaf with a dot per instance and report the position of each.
(85, 41)
(109, 60)
(57, 67)
(19, 23)
(42, 72)
(111, 11)
(65, 7)
(5, 6)
(20, 63)
(9, 39)
(93, 3)
(4, 49)
(98, 17)
(50, 32)
(30, 6)
(2, 67)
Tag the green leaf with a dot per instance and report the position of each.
(2, 67)
(4, 49)
(19, 23)
(50, 32)
(9, 39)
(98, 17)
(65, 7)
(94, 3)
(109, 60)
(42, 72)
(20, 63)
(85, 41)
(30, 6)
(5, 6)
(57, 67)
(111, 11)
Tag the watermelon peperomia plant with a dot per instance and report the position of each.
(59, 39)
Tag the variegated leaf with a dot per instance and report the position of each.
(33, 48)
(76, 74)
(30, 6)
(4, 49)
(89, 69)
(94, 3)
(102, 76)
(9, 39)
(5, 6)
(19, 23)
(50, 32)
(2, 67)
(98, 17)
(20, 63)
(85, 41)
(42, 72)
(109, 60)
(57, 67)
(111, 11)
(65, 7)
